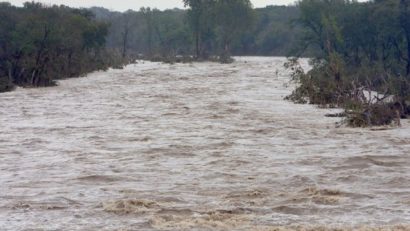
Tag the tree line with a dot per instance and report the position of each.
(40, 44)
(362, 58)
(207, 29)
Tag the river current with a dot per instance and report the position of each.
(200, 146)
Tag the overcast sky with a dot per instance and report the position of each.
(122, 5)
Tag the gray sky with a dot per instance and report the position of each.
(122, 5)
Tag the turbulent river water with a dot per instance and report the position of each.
(193, 147)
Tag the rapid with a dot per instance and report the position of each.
(200, 146)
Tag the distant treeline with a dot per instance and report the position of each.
(362, 49)
(269, 31)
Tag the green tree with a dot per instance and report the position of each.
(234, 18)
(200, 17)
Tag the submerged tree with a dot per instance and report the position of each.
(127, 24)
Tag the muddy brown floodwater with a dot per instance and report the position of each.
(197, 146)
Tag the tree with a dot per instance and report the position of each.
(233, 17)
(405, 24)
(200, 19)
(148, 17)
(127, 24)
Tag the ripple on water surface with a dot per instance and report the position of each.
(193, 146)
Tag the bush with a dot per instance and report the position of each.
(320, 88)
(373, 115)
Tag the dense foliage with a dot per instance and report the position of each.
(40, 44)
(362, 61)
(207, 28)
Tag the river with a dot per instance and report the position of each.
(201, 146)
